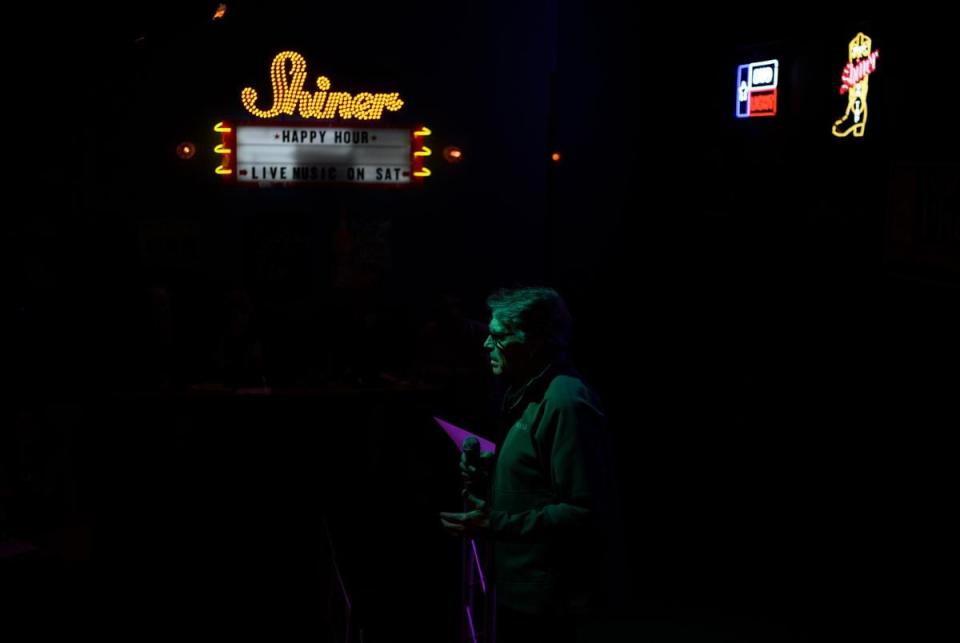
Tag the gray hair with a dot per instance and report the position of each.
(534, 312)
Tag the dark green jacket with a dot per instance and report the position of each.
(551, 496)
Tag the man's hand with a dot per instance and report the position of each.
(469, 524)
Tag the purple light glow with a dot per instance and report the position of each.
(476, 558)
(343, 590)
(458, 435)
(473, 631)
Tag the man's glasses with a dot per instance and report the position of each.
(498, 338)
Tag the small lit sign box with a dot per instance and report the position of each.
(757, 89)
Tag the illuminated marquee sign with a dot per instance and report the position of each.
(288, 73)
(854, 82)
(286, 153)
(757, 89)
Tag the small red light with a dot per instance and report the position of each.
(186, 150)
(452, 154)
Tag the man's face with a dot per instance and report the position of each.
(508, 353)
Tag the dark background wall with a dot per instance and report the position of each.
(769, 313)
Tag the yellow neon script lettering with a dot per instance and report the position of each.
(288, 73)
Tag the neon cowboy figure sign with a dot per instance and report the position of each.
(862, 61)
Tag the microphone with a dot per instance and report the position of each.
(471, 452)
(471, 458)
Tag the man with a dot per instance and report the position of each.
(551, 499)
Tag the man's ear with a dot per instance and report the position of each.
(536, 346)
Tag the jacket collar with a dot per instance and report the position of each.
(536, 384)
